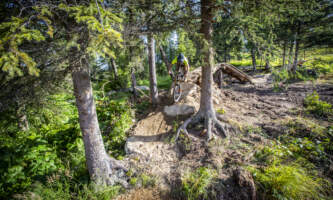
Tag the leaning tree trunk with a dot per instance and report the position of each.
(152, 70)
(253, 55)
(100, 165)
(206, 111)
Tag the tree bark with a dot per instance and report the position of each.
(23, 123)
(225, 55)
(290, 56)
(152, 70)
(133, 81)
(206, 111)
(294, 67)
(253, 55)
(114, 68)
(165, 60)
(267, 65)
(284, 54)
(99, 164)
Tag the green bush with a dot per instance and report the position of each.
(115, 118)
(317, 107)
(195, 183)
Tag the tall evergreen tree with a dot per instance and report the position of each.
(88, 31)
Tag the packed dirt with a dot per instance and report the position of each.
(151, 147)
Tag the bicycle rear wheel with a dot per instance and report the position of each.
(176, 93)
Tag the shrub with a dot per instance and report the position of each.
(195, 183)
(317, 107)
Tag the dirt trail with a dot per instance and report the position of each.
(151, 149)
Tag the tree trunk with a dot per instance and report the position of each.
(133, 80)
(114, 68)
(23, 123)
(99, 164)
(253, 55)
(267, 65)
(225, 55)
(290, 56)
(294, 67)
(206, 111)
(152, 70)
(165, 60)
(206, 103)
(284, 54)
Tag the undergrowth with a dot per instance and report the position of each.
(53, 147)
(288, 168)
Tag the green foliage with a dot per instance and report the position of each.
(186, 45)
(147, 180)
(238, 63)
(195, 184)
(54, 145)
(115, 119)
(12, 59)
(221, 111)
(288, 182)
(102, 26)
(43, 150)
(62, 188)
(279, 77)
(133, 181)
(290, 164)
(317, 107)
(163, 82)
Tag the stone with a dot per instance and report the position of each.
(179, 110)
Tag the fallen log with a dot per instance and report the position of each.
(233, 72)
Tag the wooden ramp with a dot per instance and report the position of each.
(234, 72)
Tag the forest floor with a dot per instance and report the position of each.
(257, 114)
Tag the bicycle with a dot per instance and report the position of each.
(176, 90)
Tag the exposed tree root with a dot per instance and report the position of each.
(116, 173)
(210, 123)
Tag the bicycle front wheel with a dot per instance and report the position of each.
(176, 93)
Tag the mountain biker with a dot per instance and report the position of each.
(182, 66)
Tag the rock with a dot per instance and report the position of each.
(246, 184)
(179, 110)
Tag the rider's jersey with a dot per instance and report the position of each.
(174, 61)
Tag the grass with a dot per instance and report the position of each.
(288, 182)
(67, 189)
(290, 167)
(195, 184)
(317, 107)
(163, 82)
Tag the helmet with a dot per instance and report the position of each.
(181, 58)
